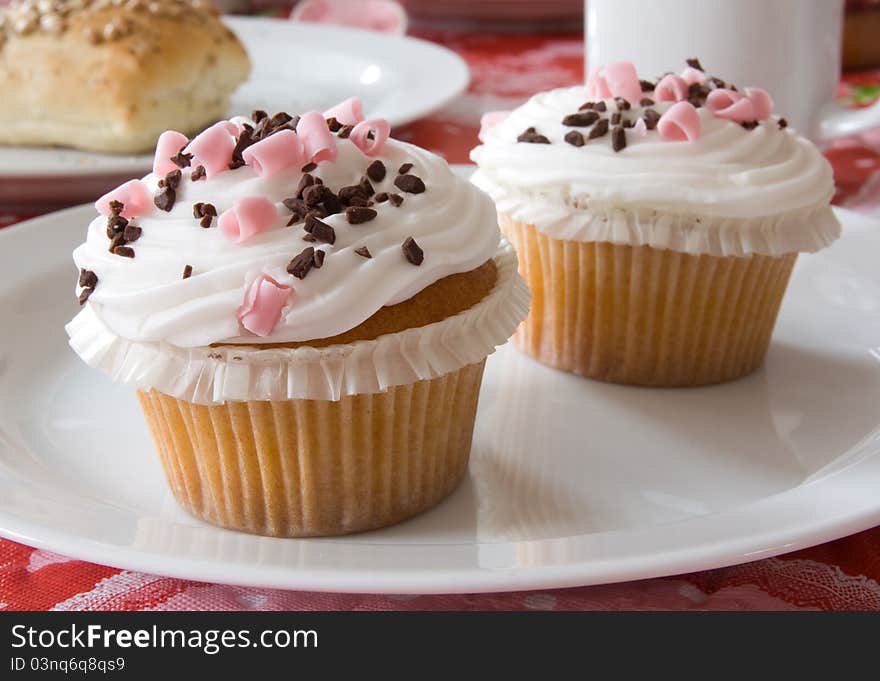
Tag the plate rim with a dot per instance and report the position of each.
(862, 512)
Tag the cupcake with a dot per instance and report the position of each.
(304, 308)
(656, 222)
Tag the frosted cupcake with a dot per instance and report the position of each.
(656, 223)
(304, 308)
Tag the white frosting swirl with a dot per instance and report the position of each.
(731, 192)
(145, 298)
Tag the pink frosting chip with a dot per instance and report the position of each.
(691, 75)
(276, 153)
(249, 216)
(762, 102)
(360, 135)
(213, 147)
(623, 81)
(731, 105)
(489, 120)
(671, 88)
(134, 195)
(349, 112)
(318, 142)
(597, 85)
(168, 144)
(263, 302)
(680, 123)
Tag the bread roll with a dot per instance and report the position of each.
(112, 75)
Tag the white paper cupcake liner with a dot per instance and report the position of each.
(207, 375)
(571, 219)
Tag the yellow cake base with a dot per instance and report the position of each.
(643, 316)
(303, 468)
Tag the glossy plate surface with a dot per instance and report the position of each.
(296, 67)
(571, 482)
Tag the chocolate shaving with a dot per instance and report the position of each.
(531, 136)
(581, 119)
(116, 207)
(187, 272)
(587, 105)
(301, 264)
(646, 101)
(320, 230)
(599, 129)
(395, 199)
(716, 82)
(615, 118)
(622, 104)
(411, 184)
(88, 279)
(124, 251)
(333, 124)
(198, 173)
(357, 215)
(308, 167)
(600, 106)
(314, 194)
(115, 225)
(618, 138)
(366, 187)
(205, 221)
(350, 193)
(749, 125)
(381, 197)
(298, 207)
(782, 123)
(404, 169)
(165, 199)
(697, 93)
(117, 241)
(694, 63)
(646, 85)
(172, 179)
(132, 233)
(84, 295)
(245, 139)
(308, 237)
(318, 260)
(305, 182)
(345, 131)
(364, 252)
(651, 118)
(376, 171)
(182, 160)
(575, 139)
(412, 251)
(258, 114)
(279, 120)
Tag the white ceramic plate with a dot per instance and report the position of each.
(571, 482)
(296, 67)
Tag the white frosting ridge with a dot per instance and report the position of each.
(731, 192)
(205, 375)
(145, 299)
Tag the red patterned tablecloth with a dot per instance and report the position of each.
(839, 575)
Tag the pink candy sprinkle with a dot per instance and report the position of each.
(360, 135)
(318, 142)
(671, 88)
(597, 86)
(349, 112)
(762, 102)
(623, 81)
(731, 105)
(276, 153)
(489, 120)
(134, 195)
(169, 143)
(680, 123)
(248, 217)
(262, 305)
(213, 147)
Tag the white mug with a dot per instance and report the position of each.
(791, 48)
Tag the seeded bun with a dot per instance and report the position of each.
(111, 76)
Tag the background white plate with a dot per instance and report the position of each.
(296, 67)
(571, 482)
